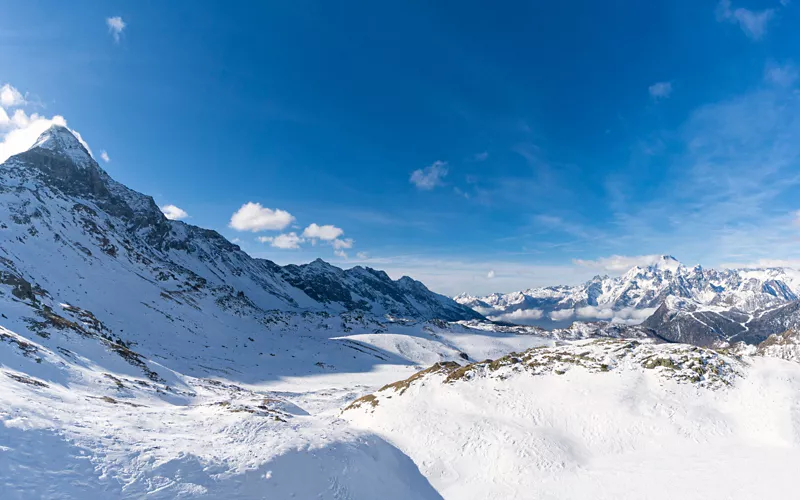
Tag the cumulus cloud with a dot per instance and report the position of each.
(753, 24)
(429, 177)
(115, 26)
(253, 217)
(619, 263)
(490, 275)
(287, 241)
(105, 156)
(326, 233)
(171, 212)
(660, 90)
(10, 97)
(362, 255)
(340, 253)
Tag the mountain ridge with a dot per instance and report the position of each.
(681, 303)
(59, 163)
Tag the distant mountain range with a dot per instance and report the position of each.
(679, 303)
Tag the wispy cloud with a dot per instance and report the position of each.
(618, 263)
(753, 24)
(104, 156)
(660, 90)
(727, 190)
(429, 177)
(782, 75)
(115, 26)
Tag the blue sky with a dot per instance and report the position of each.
(477, 146)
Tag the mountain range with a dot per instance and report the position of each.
(679, 303)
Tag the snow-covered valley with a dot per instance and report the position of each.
(146, 357)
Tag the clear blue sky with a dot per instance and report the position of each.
(549, 136)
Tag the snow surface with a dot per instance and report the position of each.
(628, 432)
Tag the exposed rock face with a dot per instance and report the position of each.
(785, 346)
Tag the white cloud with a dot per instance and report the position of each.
(340, 253)
(561, 315)
(660, 90)
(619, 263)
(287, 241)
(253, 217)
(362, 255)
(783, 76)
(327, 232)
(115, 26)
(490, 275)
(754, 24)
(105, 156)
(628, 315)
(171, 212)
(11, 97)
(345, 243)
(429, 177)
(517, 316)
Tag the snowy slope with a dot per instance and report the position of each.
(607, 419)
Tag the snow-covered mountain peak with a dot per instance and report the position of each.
(59, 140)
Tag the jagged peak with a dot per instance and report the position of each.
(58, 139)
